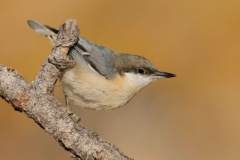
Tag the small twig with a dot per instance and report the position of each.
(36, 100)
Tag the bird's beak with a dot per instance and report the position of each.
(159, 74)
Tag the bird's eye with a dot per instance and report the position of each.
(141, 71)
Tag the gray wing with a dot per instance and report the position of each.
(85, 53)
(98, 57)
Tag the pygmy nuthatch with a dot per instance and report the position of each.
(102, 79)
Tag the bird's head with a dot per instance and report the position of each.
(138, 70)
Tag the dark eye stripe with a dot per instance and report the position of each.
(141, 71)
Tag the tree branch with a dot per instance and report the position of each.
(37, 101)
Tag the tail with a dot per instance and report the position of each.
(51, 34)
(44, 30)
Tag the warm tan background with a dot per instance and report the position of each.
(195, 116)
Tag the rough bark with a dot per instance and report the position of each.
(37, 101)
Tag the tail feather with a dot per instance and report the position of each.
(44, 30)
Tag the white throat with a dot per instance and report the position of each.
(138, 81)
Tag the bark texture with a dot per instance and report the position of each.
(37, 101)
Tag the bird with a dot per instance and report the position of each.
(101, 79)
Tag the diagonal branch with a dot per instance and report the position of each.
(36, 100)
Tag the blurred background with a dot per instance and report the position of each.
(194, 116)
